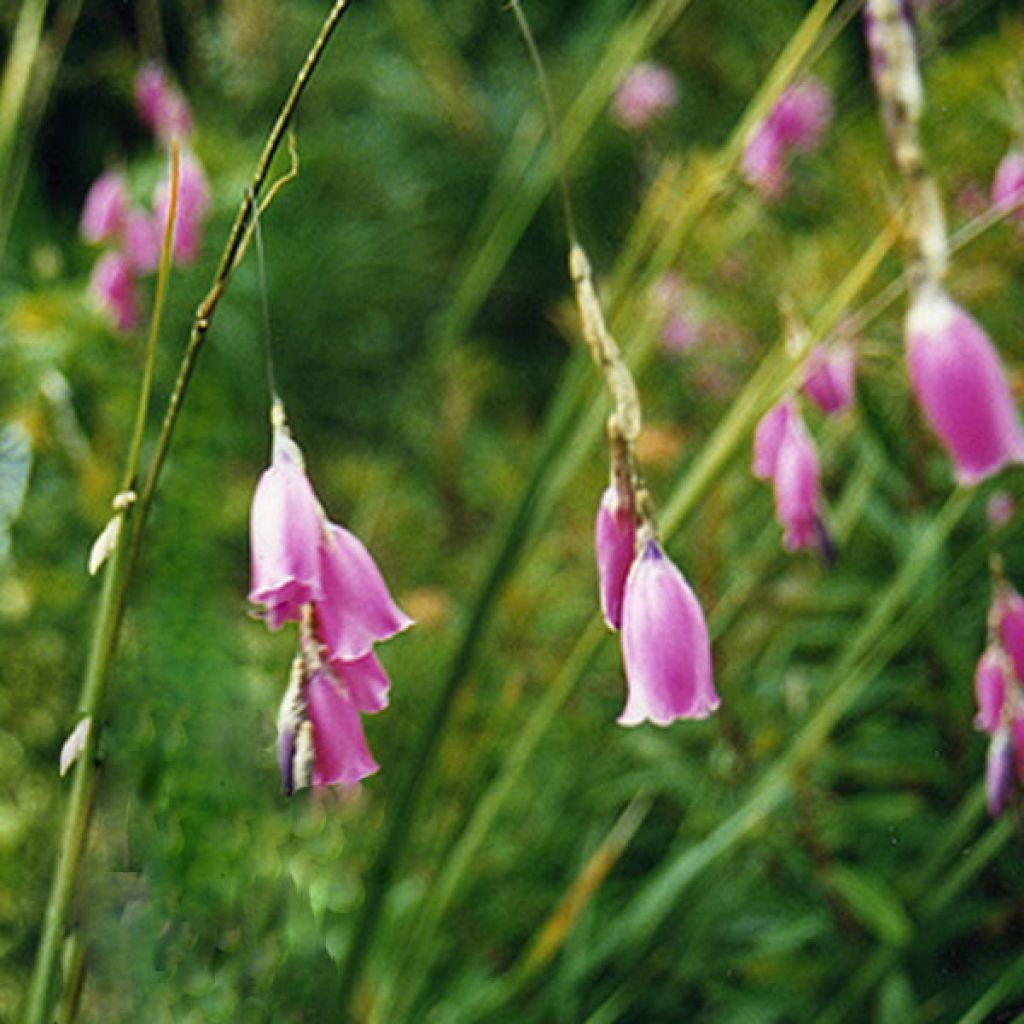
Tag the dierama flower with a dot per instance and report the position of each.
(990, 690)
(768, 435)
(1008, 616)
(829, 377)
(764, 162)
(647, 92)
(141, 242)
(615, 542)
(999, 770)
(112, 287)
(193, 206)
(802, 115)
(106, 204)
(797, 490)
(665, 646)
(1008, 183)
(162, 108)
(961, 386)
(340, 753)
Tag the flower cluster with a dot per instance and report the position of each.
(130, 235)
(308, 570)
(997, 687)
(797, 122)
(646, 93)
(665, 645)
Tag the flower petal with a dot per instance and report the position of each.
(340, 750)
(615, 542)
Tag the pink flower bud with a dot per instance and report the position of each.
(990, 690)
(286, 526)
(339, 744)
(161, 106)
(665, 645)
(356, 609)
(764, 163)
(647, 92)
(999, 771)
(1008, 183)
(1009, 617)
(961, 387)
(797, 493)
(111, 285)
(615, 541)
(771, 429)
(193, 205)
(141, 243)
(802, 114)
(105, 207)
(829, 377)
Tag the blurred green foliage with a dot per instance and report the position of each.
(862, 881)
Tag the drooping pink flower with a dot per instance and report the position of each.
(341, 755)
(193, 206)
(112, 287)
(961, 387)
(665, 646)
(355, 609)
(1008, 183)
(797, 489)
(647, 91)
(106, 204)
(768, 435)
(829, 377)
(802, 115)
(1009, 616)
(1017, 735)
(161, 106)
(764, 162)
(141, 242)
(999, 768)
(1000, 509)
(615, 542)
(365, 681)
(286, 528)
(990, 690)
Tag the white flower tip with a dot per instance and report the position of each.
(104, 544)
(74, 745)
(930, 312)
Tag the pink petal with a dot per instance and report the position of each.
(770, 431)
(829, 380)
(113, 288)
(1008, 183)
(990, 690)
(647, 92)
(797, 493)
(339, 744)
(615, 541)
(193, 206)
(764, 164)
(999, 771)
(356, 609)
(365, 681)
(1010, 617)
(802, 114)
(105, 206)
(961, 387)
(161, 106)
(141, 242)
(665, 645)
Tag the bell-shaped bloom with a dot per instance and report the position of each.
(999, 769)
(286, 532)
(1008, 183)
(365, 681)
(160, 105)
(193, 206)
(111, 285)
(665, 646)
(829, 377)
(1009, 613)
(141, 242)
(764, 162)
(1017, 736)
(768, 435)
(961, 387)
(647, 92)
(802, 114)
(340, 752)
(106, 205)
(615, 541)
(990, 690)
(355, 609)
(797, 488)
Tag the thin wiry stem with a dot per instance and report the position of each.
(118, 572)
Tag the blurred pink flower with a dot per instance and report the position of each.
(1000, 509)
(615, 541)
(665, 645)
(141, 242)
(990, 689)
(768, 435)
(802, 115)
(161, 106)
(764, 162)
(106, 204)
(829, 377)
(193, 206)
(961, 387)
(999, 771)
(112, 287)
(340, 753)
(1008, 183)
(1008, 614)
(647, 92)
(797, 489)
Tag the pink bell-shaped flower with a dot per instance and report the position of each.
(1008, 183)
(829, 377)
(193, 206)
(990, 690)
(111, 285)
(647, 92)
(999, 769)
(286, 530)
(797, 490)
(355, 609)
(665, 645)
(764, 162)
(141, 242)
(768, 435)
(162, 108)
(615, 541)
(802, 114)
(1009, 612)
(341, 755)
(365, 681)
(961, 387)
(105, 207)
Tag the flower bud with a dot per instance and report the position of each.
(615, 541)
